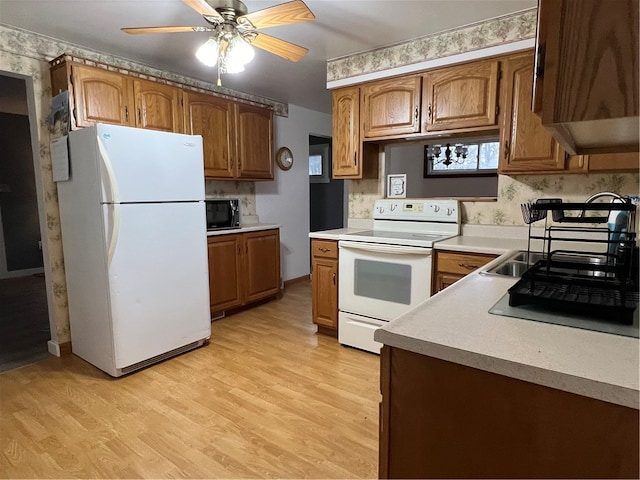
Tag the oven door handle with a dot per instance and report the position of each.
(380, 248)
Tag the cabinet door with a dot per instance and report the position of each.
(325, 292)
(262, 264)
(444, 280)
(346, 133)
(459, 97)
(391, 107)
(526, 144)
(101, 96)
(586, 89)
(254, 139)
(213, 118)
(158, 106)
(225, 271)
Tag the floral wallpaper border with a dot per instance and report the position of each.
(25, 43)
(501, 30)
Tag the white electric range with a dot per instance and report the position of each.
(386, 271)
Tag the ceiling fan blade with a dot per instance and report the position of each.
(137, 30)
(283, 14)
(203, 8)
(287, 50)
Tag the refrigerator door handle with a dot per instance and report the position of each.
(114, 199)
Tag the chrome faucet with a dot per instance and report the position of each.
(595, 196)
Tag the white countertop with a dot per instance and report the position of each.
(249, 227)
(455, 325)
(335, 233)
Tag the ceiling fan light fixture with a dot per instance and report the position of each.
(240, 50)
(208, 52)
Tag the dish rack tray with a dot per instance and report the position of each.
(598, 282)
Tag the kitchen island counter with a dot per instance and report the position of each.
(455, 325)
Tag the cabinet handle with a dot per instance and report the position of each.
(324, 250)
(355, 158)
(126, 113)
(246, 248)
(467, 266)
(334, 278)
(139, 117)
(429, 111)
(540, 56)
(507, 152)
(416, 113)
(239, 252)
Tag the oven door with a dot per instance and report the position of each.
(382, 281)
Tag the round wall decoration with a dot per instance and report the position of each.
(284, 158)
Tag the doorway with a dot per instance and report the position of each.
(327, 197)
(24, 315)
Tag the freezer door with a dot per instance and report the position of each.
(138, 165)
(158, 278)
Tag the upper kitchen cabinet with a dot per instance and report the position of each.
(158, 106)
(95, 94)
(348, 149)
(527, 147)
(461, 97)
(214, 119)
(586, 75)
(391, 107)
(254, 133)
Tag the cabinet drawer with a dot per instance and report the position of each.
(462, 263)
(324, 248)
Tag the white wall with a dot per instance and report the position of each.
(285, 201)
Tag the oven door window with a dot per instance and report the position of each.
(386, 281)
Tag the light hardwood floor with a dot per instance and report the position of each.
(267, 398)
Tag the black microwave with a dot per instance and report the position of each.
(222, 213)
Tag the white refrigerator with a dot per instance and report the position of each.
(135, 246)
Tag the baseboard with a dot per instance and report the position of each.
(303, 278)
(59, 349)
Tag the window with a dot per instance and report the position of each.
(469, 158)
(319, 163)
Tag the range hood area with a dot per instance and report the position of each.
(586, 74)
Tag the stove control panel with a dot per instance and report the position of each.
(421, 210)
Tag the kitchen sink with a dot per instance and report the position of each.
(510, 269)
(517, 264)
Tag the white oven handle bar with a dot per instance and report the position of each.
(379, 248)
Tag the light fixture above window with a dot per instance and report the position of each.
(447, 156)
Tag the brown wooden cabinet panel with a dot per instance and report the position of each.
(324, 276)
(441, 419)
(262, 264)
(225, 271)
(391, 107)
(101, 96)
(243, 268)
(586, 88)
(526, 145)
(449, 267)
(614, 162)
(254, 133)
(463, 96)
(351, 158)
(214, 119)
(158, 106)
(346, 133)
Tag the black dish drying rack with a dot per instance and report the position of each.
(601, 282)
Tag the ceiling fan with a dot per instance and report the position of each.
(232, 29)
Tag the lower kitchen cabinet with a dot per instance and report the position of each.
(243, 268)
(324, 266)
(440, 419)
(449, 267)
